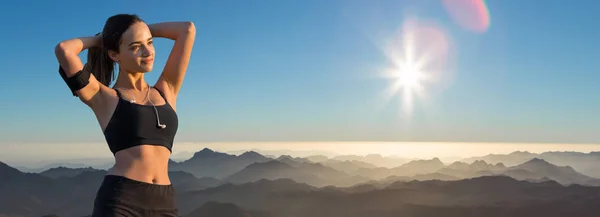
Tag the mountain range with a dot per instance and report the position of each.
(208, 163)
(30, 194)
(322, 171)
(585, 163)
(251, 184)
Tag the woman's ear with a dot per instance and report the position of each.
(113, 55)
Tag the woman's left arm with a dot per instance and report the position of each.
(172, 76)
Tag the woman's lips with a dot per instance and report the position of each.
(146, 61)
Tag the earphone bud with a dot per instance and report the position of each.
(158, 124)
(162, 126)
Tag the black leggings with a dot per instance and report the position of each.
(119, 196)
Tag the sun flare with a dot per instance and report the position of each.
(409, 76)
(417, 56)
(408, 79)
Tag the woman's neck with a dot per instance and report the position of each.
(128, 80)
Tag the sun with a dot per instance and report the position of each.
(409, 76)
(416, 55)
(408, 82)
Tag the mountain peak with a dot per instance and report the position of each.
(285, 156)
(206, 150)
(251, 154)
(271, 164)
(433, 161)
(536, 160)
(8, 171)
(205, 153)
(537, 165)
(480, 162)
(522, 153)
(479, 165)
(458, 165)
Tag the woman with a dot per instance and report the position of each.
(138, 120)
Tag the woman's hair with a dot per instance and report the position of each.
(99, 62)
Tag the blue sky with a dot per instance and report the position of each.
(303, 71)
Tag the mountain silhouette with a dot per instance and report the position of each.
(40, 166)
(7, 172)
(565, 175)
(585, 163)
(208, 163)
(289, 160)
(186, 181)
(267, 170)
(475, 169)
(419, 177)
(348, 166)
(30, 194)
(482, 196)
(409, 169)
(311, 173)
(61, 171)
(418, 167)
(374, 159)
(535, 169)
(251, 155)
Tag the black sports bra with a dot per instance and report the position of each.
(134, 124)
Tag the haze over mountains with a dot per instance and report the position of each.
(250, 184)
(586, 163)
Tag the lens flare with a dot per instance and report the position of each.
(472, 15)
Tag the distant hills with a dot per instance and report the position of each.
(249, 184)
(585, 163)
(483, 196)
(306, 172)
(62, 171)
(350, 170)
(208, 163)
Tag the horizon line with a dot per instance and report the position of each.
(418, 150)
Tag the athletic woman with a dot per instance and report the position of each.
(138, 120)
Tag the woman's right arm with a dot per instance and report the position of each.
(67, 55)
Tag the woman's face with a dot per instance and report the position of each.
(136, 50)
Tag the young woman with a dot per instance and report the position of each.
(138, 120)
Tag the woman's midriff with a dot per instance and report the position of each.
(144, 163)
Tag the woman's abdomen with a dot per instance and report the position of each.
(145, 163)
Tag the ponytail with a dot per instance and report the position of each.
(100, 65)
(99, 62)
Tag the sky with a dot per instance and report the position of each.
(283, 70)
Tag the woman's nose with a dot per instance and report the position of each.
(147, 51)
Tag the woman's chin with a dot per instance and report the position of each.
(145, 68)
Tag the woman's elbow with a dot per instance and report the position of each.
(61, 49)
(190, 27)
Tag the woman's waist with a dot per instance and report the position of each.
(141, 173)
(142, 164)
